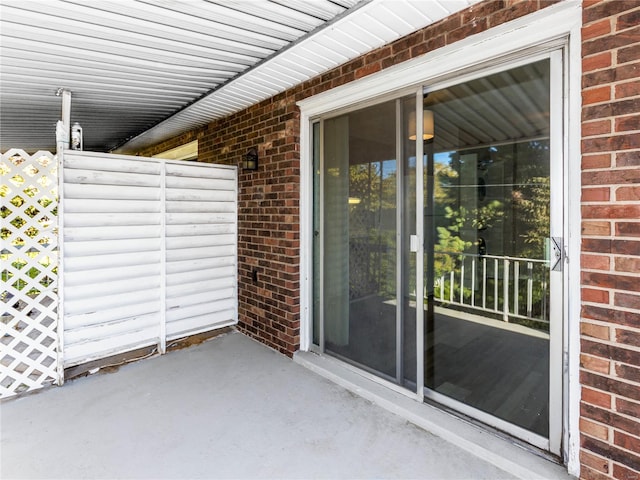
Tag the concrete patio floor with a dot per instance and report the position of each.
(227, 408)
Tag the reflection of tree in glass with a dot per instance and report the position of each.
(372, 259)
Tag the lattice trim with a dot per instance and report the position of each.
(29, 250)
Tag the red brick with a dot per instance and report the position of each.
(611, 352)
(595, 331)
(594, 429)
(596, 62)
(368, 70)
(611, 42)
(595, 296)
(611, 143)
(587, 473)
(596, 245)
(628, 264)
(595, 364)
(596, 194)
(597, 398)
(623, 473)
(596, 228)
(629, 123)
(594, 461)
(627, 407)
(627, 372)
(627, 442)
(598, 127)
(627, 337)
(628, 89)
(628, 159)
(627, 229)
(628, 20)
(604, 449)
(606, 9)
(615, 74)
(608, 280)
(597, 29)
(611, 211)
(596, 262)
(611, 315)
(596, 161)
(628, 54)
(626, 300)
(596, 95)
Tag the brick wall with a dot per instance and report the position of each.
(610, 327)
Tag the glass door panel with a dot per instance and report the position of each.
(487, 220)
(360, 237)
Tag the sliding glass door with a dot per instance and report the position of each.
(477, 321)
(364, 174)
(487, 270)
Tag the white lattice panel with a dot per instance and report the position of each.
(29, 253)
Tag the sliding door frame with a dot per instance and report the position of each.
(553, 29)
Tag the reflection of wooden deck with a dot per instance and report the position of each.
(501, 371)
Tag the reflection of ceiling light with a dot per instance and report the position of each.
(427, 125)
(354, 200)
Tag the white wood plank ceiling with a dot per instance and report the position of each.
(141, 71)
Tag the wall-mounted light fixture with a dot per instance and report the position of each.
(250, 160)
(427, 125)
(76, 137)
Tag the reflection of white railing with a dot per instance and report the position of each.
(498, 285)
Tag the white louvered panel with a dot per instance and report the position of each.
(100, 301)
(115, 328)
(200, 241)
(200, 207)
(175, 291)
(183, 312)
(110, 219)
(197, 183)
(91, 262)
(73, 322)
(110, 192)
(97, 289)
(199, 297)
(192, 304)
(208, 321)
(200, 218)
(191, 194)
(110, 247)
(196, 171)
(94, 177)
(83, 352)
(79, 205)
(198, 253)
(205, 229)
(78, 234)
(199, 264)
(197, 276)
(104, 275)
(88, 291)
(126, 251)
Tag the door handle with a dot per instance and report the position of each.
(557, 260)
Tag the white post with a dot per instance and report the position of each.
(505, 290)
(62, 143)
(64, 124)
